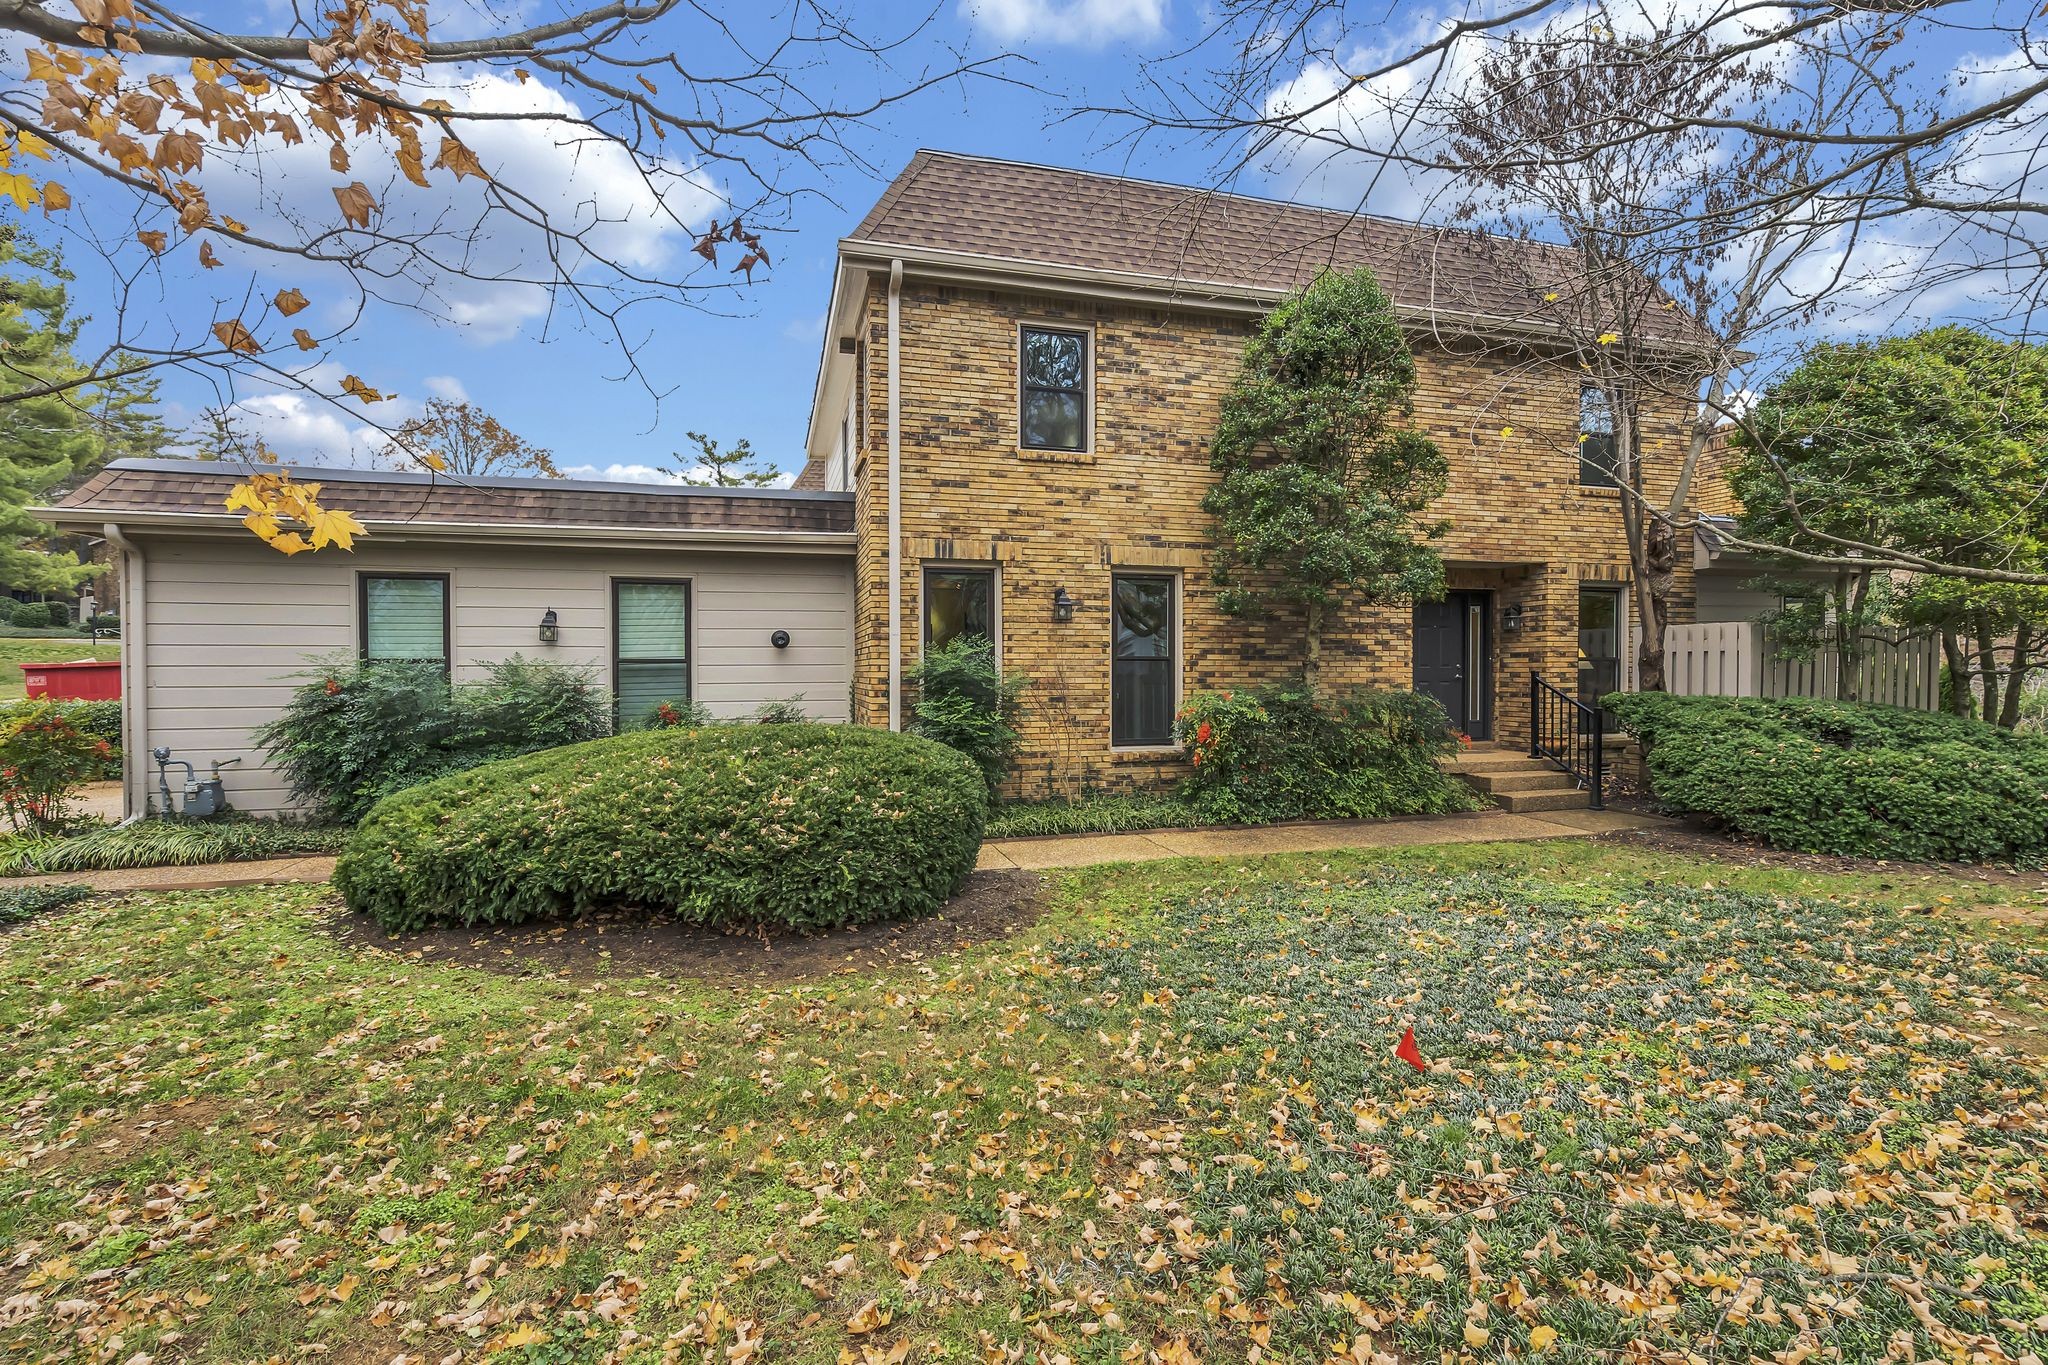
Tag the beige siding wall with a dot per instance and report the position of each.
(229, 622)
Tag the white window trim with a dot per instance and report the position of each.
(1084, 330)
(1179, 663)
(995, 596)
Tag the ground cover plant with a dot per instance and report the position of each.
(1091, 815)
(1844, 778)
(170, 843)
(807, 826)
(1681, 1109)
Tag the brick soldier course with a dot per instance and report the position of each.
(1164, 347)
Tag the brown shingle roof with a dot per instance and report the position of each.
(1053, 216)
(196, 487)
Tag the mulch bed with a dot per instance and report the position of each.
(991, 906)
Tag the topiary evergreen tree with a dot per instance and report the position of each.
(1322, 484)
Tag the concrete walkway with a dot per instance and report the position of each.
(1486, 826)
(1055, 850)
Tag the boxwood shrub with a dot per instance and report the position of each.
(1837, 777)
(809, 826)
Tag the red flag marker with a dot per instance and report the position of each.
(1410, 1053)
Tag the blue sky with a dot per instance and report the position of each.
(747, 370)
(747, 373)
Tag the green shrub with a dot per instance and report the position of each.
(99, 719)
(106, 620)
(1841, 778)
(19, 904)
(787, 712)
(362, 730)
(60, 613)
(1275, 753)
(30, 615)
(810, 826)
(44, 760)
(961, 699)
(684, 715)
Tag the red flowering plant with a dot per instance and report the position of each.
(44, 760)
(1212, 726)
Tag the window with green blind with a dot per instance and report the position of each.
(405, 616)
(651, 665)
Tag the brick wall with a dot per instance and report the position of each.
(1521, 527)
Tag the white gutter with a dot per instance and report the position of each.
(134, 674)
(895, 495)
(721, 538)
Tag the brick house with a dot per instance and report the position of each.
(1022, 369)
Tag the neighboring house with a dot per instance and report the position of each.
(666, 593)
(1040, 354)
(1009, 436)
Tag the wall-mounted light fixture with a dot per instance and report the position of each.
(1062, 605)
(1511, 617)
(780, 639)
(550, 627)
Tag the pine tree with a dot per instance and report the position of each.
(50, 439)
(711, 467)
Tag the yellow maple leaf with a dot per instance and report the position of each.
(290, 543)
(1609, 338)
(525, 1334)
(1542, 1337)
(32, 145)
(20, 189)
(334, 526)
(55, 198)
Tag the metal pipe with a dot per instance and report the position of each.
(895, 495)
(134, 672)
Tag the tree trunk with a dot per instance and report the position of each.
(1961, 700)
(1854, 592)
(1659, 579)
(2022, 642)
(1312, 649)
(1987, 665)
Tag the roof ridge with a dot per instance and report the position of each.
(924, 154)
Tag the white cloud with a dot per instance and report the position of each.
(446, 386)
(1076, 23)
(488, 270)
(621, 473)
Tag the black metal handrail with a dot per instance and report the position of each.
(1570, 734)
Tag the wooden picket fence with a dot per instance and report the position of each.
(1735, 659)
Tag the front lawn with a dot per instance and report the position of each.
(1676, 1105)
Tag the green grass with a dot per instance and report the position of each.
(1164, 1115)
(56, 648)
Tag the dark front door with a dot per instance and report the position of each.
(1453, 661)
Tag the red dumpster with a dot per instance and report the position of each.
(84, 680)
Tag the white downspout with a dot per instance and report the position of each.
(134, 673)
(895, 495)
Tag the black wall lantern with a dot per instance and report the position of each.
(550, 627)
(1062, 605)
(1511, 617)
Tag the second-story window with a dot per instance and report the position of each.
(1596, 439)
(1052, 389)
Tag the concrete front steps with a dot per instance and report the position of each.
(1516, 781)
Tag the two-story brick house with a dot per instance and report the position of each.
(1009, 436)
(1022, 371)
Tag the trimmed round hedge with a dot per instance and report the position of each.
(1843, 778)
(810, 826)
